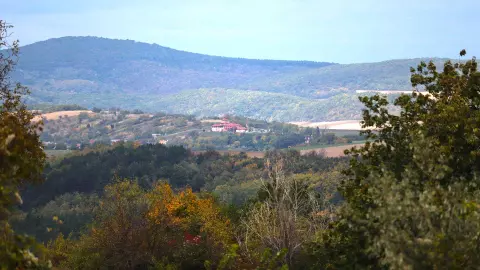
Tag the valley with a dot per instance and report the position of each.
(77, 129)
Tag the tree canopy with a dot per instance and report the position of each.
(21, 155)
(412, 194)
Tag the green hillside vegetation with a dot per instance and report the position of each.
(261, 105)
(107, 73)
(265, 106)
(339, 79)
(76, 178)
(89, 64)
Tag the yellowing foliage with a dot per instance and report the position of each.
(189, 213)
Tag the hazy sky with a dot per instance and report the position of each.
(343, 31)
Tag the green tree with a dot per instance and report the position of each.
(21, 156)
(412, 194)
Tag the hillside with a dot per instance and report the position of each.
(89, 64)
(101, 72)
(260, 105)
(337, 79)
(76, 129)
(73, 130)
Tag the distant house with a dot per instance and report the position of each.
(230, 127)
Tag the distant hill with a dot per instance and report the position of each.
(95, 64)
(101, 72)
(260, 105)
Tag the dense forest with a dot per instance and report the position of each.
(409, 198)
(233, 178)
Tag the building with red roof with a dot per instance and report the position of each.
(229, 127)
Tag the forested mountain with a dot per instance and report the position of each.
(98, 64)
(101, 72)
(260, 105)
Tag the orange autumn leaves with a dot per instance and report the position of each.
(136, 227)
(188, 212)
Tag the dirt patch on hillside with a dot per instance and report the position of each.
(334, 151)
(57, 115)
(250, 154)
(211, 121)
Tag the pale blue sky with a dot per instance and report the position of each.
(342, 31)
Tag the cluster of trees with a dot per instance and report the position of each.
(89, 171)
(411, 201)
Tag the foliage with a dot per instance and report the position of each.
(134, 228)
(288, 212)
(92, 171)
(411, 196)
(67, 214)
(21, 157)
(260, 105)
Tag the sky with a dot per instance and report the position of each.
(341, 31)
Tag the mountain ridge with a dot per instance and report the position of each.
(92, 71)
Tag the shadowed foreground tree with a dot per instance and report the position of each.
(21, 157)
(412, 200)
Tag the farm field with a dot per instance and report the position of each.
(334, 151)
(56, 153)
(320, 146)
(333, 125)
(57, 115)
(328, 151)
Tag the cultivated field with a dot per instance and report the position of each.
(211, 121)
(338, 125)
(57, 115)
(332, 151)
